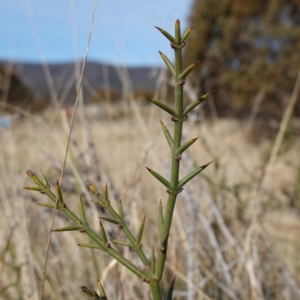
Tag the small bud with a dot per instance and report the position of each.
(30, 174)
(91, 188)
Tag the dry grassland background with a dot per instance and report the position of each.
(232, 238)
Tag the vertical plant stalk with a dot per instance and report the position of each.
(174, 180)
(179, 115)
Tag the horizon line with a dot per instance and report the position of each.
(70, 61)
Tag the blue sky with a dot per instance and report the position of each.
(57, 30)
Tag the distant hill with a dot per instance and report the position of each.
(97, 76)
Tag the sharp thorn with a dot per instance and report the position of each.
(208, 164)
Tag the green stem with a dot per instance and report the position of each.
(175, 162)
(101, 243)
(114, 253)
(155, 289)
(89, 231)
(118, 218)
(129, 235)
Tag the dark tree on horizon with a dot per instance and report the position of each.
(12, 90)
(246, 47)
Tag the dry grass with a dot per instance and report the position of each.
(209, 252)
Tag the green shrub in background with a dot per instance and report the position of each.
(247, 50)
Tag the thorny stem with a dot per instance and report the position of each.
(95, 237)
(129, 235)
(152, 275)
(174, 143)
(175, 163)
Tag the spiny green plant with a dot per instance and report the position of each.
(153, 265)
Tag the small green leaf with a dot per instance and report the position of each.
(101, 290)
(90, 293)
(187, 70)
(41, 187)
(106, 193)
(97, 202)
(35, 179)
(60, 200)
(160, 219)
(111, 220)
(140, 233)
(167, 134)
(168, 63)
(153, 260)
(170, 292)
(187, 144)
(45, 180)
(177, 32)
(120, 209)
(160, 178)
(82, 210)
(196, 103)
(50, 205)
(163, 106)
(69, 228)
(95, 192)
(92, 246)
(103, 233)
(167, 35)
(34, 188)
(186, 34)
(122, 243)
(187, 178)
